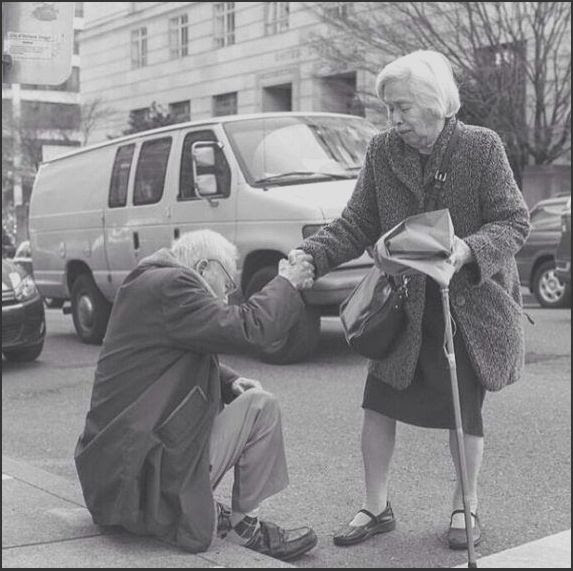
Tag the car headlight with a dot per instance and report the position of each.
(24, 288)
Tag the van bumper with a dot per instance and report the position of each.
(334, 287)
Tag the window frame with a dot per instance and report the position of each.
(277, 17)
(144, 144)
(179, 36)
(224, 24)
(139, 47)
(195, 136)
(130, 146)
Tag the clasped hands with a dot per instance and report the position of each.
(298, 269)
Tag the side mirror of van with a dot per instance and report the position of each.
(204, 160)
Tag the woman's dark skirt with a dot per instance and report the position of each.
(427, 401)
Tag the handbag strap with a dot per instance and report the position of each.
(441, 175)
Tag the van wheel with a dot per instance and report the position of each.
(303, 337)
(90, 310)
(549, 290)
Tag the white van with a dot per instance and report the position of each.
(264, 181)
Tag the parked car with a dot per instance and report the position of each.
(264, 181)
(8, 248)
(23, 319)
(536, 260)
(563, 255)
(23, 257)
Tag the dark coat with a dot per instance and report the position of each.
(488, 211)
(143, 458)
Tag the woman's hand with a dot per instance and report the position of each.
(461, 254)
(299, 269)
(242, 384)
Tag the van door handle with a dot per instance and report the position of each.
(136, 240)
(176, 233)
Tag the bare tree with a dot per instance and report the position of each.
(512, 61)
(93, 113)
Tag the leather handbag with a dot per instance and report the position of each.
(373, 315)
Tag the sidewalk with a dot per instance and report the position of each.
(45, 524)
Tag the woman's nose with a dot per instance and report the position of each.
(396, 117)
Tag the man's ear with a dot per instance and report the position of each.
(201, 266)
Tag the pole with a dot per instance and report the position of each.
(459, 426)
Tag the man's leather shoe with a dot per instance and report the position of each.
(283, 544)
(351, 534)
(457, 538)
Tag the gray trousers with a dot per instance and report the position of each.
(247, 435)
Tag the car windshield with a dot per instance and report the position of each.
(296, 149)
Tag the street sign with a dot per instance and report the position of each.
(37, 42)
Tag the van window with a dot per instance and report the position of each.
(222, 170)
(120, 176)
(151, 169)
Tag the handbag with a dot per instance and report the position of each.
(373, 315)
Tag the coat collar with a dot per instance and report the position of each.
(405, 160)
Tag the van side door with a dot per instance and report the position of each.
(117, 235)
(151, 208)
(192, 212)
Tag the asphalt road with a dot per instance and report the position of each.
(525, 487)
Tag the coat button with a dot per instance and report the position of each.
(460, 300)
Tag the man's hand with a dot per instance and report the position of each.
(461, 254)
(242, 384)
(299, 272)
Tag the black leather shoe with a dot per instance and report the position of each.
(283, 544)
(351, 534)
(457, 538)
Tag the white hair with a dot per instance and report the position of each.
(430, 79)
(198, 245)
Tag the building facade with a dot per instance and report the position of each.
(201, 59)
(38, 121)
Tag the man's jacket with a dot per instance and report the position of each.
(143, 457)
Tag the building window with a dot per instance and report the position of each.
(79, 10)
(225, 104)
(224, 23)
(337, 9)
(139, 48)
(76, 42)
(276, 17)
(180, 111)
(179, 36)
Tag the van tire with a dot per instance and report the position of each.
(303, 337)
(90, 310)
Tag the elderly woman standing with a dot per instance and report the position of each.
(491, 222)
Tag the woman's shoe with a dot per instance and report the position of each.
(457, 538)
(351, 534)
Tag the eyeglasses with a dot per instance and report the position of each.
(230, 286)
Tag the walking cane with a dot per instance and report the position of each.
(450, 354)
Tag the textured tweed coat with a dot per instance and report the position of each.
(488, 212)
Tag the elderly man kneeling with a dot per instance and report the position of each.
(158, 437)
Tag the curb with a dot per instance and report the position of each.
(46, 524)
